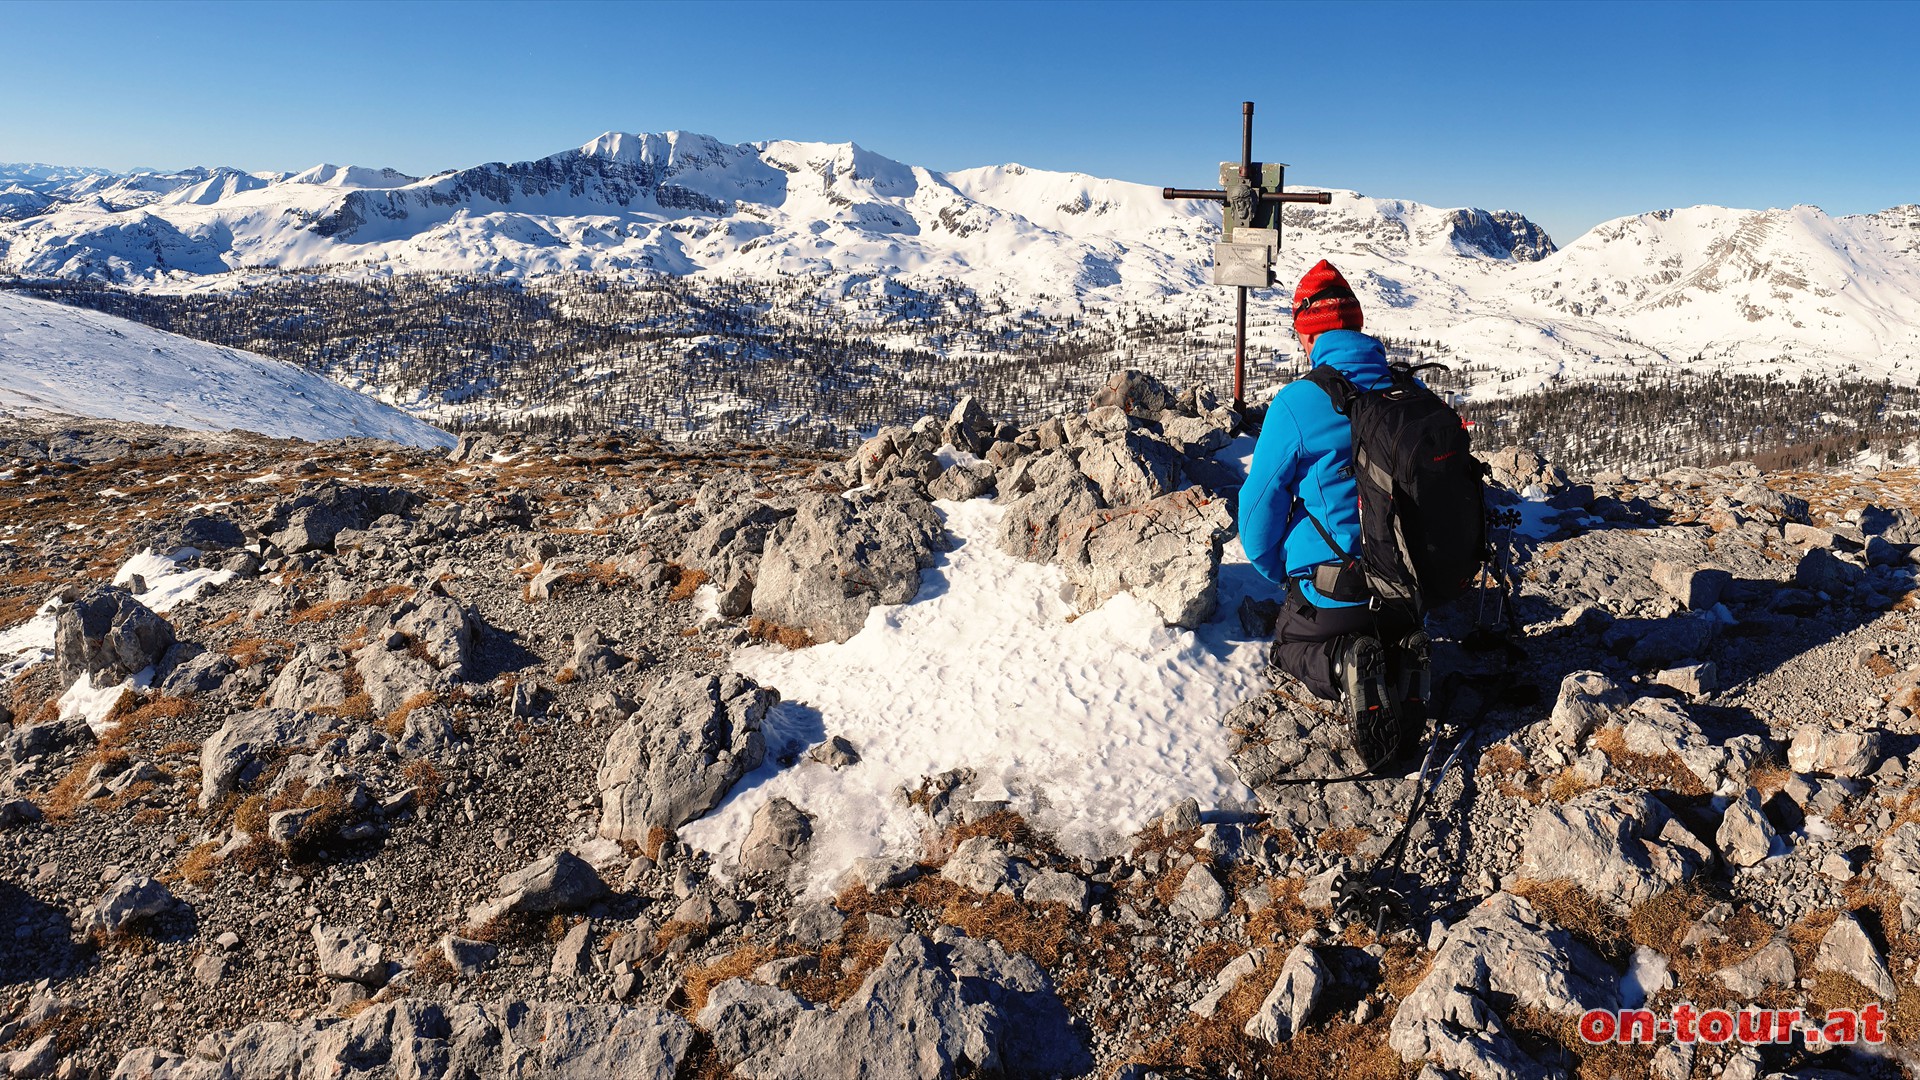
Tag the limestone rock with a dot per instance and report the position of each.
(1745, 836)
(1836, 753)
(1031, 528)
(1847, 950)
(981, 864)
(1166, 552)
(1501, 953)
(1290, 1003)
(1587, 699)
(1201, 896)
(349, 955)
(1623, 847)
(677, 757)
(777, 838)
(560, 882)
(131, 899)
(108, 635)
(842, 555)
(232, 751)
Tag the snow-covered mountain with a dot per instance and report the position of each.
(1794, 290)
(60, 359)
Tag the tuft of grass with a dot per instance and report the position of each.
(687, 582)
(699, 981)
(1661, 772)
(789, 637)
(1572, 908)
(396, 721)
(428, 784)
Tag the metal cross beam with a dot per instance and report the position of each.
(1252, 197)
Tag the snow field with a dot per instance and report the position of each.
(1090, 726)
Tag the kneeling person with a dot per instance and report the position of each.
(1299, 513)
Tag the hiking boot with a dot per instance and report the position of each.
(1363, 690)
(1410, 673)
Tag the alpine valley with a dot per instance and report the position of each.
(809, 290)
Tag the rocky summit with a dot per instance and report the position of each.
(352, 759)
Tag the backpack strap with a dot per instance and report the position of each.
(1338, 387)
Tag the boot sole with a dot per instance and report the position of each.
(1376, 730)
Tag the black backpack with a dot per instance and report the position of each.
(1423, 530)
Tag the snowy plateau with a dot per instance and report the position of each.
(55, 359)
(1791, 291)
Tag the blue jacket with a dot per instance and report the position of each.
(1302, 461)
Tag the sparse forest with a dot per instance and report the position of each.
(818, 360)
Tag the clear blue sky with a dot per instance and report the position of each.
(1569, 113)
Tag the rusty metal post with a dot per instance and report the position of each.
(1260, 214)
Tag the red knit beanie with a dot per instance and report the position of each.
(1324, 301)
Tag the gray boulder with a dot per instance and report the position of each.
(443, 629)
(312, 520)
(1131, 469)
(311, 678)
(981, 864)
(930, 1011)
(1836, 753)
(108, 635)
(1587, 700)
(680, 753)
(131, 899)
(1745, 836)
(750, 1024)
(392, 677)
(349, 955)
(1622, 847)
(1847, 950)
(227, 756)
(1031, 528)
(962, 482)
(1771, 966)
(1201, 896)
(1823, 571)
(1658, 726)
(1136, 393)
(731, 539)
(842, 555)
(560, 882)
(1500, 956)
(1288, 1006)
(1166, 552)
(776, 839)
(1696, 588)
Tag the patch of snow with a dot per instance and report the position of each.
(1646, 976)
(1093, 726)
(91, 703)
(29, 643)
(168, 586)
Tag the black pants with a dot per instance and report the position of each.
(1307, 639)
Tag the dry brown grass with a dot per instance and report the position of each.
(1573, 909)
(1880, 666)
(1345, 842)
(248, 651)
(135, 717)
(1507, 768)
(395, 722)
(760, 629)
(699, 981)
(431, 968)
(840, 969)
(1566, 784)
(687, 582)
(428, 784)
(197, 867)
(1662, 772)
(357, 706)
(1549, 1036)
